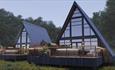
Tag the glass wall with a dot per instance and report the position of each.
(23, 40)
(78, 31)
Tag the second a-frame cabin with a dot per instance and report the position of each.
(32, 35)
(81, 33)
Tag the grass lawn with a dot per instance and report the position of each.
(24, 65)
(108, 68)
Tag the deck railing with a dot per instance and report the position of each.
(88, 52)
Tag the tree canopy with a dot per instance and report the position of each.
(105, 21)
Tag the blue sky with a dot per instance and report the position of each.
(56, 11)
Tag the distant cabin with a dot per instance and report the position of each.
(32, 35)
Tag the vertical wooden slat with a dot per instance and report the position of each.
(21, 39)
(71, 33)
(26, 38)
(82, 29)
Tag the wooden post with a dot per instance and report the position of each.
(21, 40)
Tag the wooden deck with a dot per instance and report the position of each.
(59, 57)
(66, 61)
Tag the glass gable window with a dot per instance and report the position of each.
(78, 31)
(23, 40)
(76, 13)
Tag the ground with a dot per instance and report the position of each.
(24, 65)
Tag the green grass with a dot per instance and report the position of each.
(17, 66)
(112, 67)
(107, 68)
(24, 65)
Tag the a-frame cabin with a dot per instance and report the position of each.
(32, 35)
(79, 30)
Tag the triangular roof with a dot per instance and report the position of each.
(89, 22)
(36, 33)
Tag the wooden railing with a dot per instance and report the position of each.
(88, 52)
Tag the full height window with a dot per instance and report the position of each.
(23, 40)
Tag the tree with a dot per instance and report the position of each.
(105, 20)
(9, 25)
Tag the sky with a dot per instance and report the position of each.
(50, 10)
